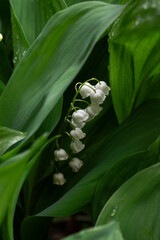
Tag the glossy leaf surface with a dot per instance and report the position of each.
(45, 73)
(134, 59)
(12, 175)
(120, 173)
(110, 231)
(132, 136)
(8, 137)
(136, 206)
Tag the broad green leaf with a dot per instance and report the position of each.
(72, 2)
(134, 135)
(135, 205)
(49, 66)
(2, 86)
(28, 19)
(8, 137)
(134, 59)
(33, 15)
(20, 43)
(12, 175)
(120, 173)
(109, 231)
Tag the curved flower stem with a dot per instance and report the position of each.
(74, 108)
(70, 123)
(57, 144)
(89, 87)
(68, 135)
(55, 167)
(81, 100)
(95, 79)
(78, 83)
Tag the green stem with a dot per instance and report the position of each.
(91, 79)
(81, 100)
(57, 144)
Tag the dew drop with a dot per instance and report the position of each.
(114, 211)
(14, 60)
(145, 6)
(24, 52)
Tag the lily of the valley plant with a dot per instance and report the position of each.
(79, 118)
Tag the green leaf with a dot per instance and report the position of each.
(20, 43)
(49, 66)
(2, 86)
(28, 19)
(12, 175)
(136, 206)
(109, 231)
(8, 137)
(134, 135)
(134, 59)
(112, 180)
(33, 15)
(72, 2)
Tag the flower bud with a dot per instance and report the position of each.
(1, 37)
(76, 146)
(80, 116)
(103, 87)
(77, 125)
(77, 134)
(93, 110)
(58, 179)
(98, 97)
(86, 90)
(75, 164)
(60, 155)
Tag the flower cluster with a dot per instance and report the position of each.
(97, 94)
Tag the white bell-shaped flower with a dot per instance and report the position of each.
(86, 90)
(77, 146)
(58, 179)
(98, 97)
(103, 87)
(77, 134)
(75, 164)
(80, 116)
(93, 110)
(60, 155)
(78, 125)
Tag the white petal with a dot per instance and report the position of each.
(98, 97)
(86, 90)
(103, 87)
(75, 164)
(77, 133)
(60, 155)
(77, 146)
(93, 110)
(78, 125)
(80, 116)
(58, 179)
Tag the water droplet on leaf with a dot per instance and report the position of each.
(114, 211)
